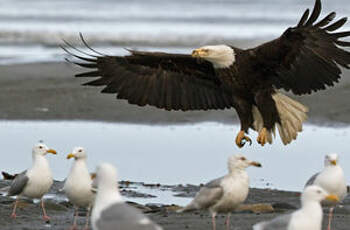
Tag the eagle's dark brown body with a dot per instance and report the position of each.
(250, 87)
(304, 59)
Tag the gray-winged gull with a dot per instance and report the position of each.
(36, 181)
(308, 217)
(109, 210)
(78, 184)
(225, 194)
(331, 179)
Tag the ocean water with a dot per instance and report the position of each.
(31, 30)
(176, 154)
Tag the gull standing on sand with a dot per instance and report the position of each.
(331, 179)
(34, 182)
(109, 211)
(225, 194)
(78, 185)
(309, 217)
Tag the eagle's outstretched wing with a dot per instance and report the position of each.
(167, 81)
(306, 57)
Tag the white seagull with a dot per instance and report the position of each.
(331, 179)
(34, 182)
(109, 211)
(308, 217)
(78, 185)
(225, 194)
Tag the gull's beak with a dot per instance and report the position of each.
(51, 151)
(93, 176)
(332, 198)
(254, 163)
(69, 156)
(334, 162)
(199, 53)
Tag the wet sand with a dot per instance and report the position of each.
(274, 203)
(48, 91)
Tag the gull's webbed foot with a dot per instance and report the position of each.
(242, 139)
(74, 227)
(46, 218)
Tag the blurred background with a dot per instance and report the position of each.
(31, 30)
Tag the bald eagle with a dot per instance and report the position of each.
(304, 59)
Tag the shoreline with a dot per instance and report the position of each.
(261, 204)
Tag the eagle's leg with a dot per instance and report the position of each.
(262, 138)
(244, 111)
(268, 110)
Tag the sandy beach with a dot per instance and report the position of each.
(271, 203)
(48, 91)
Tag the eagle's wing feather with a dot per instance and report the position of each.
(307, 57)
(168, 81)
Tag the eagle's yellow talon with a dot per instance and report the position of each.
(262, 138)
(242, 139)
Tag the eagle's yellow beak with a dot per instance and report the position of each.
(51, 151)
(200, 53)
(69, 156)
(333, 162)
(332, 198)
(256, 164)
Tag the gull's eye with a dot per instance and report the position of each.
(80, 150)
(319, 191)
(243, 158)
(40, 147)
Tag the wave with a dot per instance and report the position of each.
(142, 34)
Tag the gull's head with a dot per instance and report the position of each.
(77, 153)
(106, 175)
(41, 150)
(317, 194)
(239, 161)
(221, 56)
(331, 159)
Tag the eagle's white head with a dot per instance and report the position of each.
(221, 56)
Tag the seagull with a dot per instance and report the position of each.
(109, 211)
(34, 182)
(331, 179)
(309, 217)
(78, 185)
(225, 194)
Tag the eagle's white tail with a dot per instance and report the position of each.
(292, 115)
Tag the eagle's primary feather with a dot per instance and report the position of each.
(304, 59)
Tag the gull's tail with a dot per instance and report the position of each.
(8, 176)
